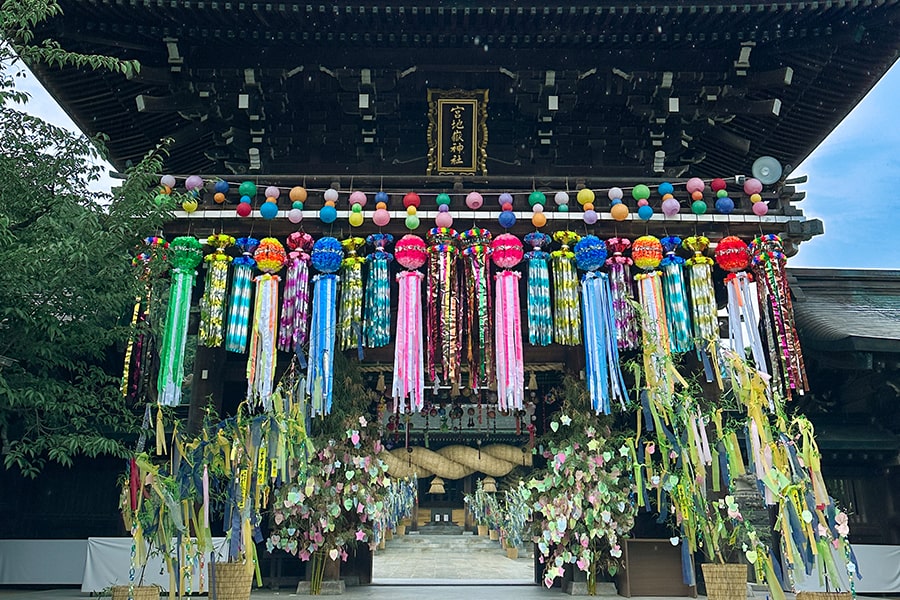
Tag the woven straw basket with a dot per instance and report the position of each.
(725, 582)
(233, 580)
(145, 592)
(824, 596)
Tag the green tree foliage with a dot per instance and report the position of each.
(66, 285)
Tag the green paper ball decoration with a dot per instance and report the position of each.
(247, 188)
(640, 192)
(562, 208)
(537, 197)
(698, 207)
(356, 208)
(443, 199)
(412, 222)
(297, 205)
(721, 193)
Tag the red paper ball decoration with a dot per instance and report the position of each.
(244, 209)
(410, 252)
(647, 252)
(411, 199)
(506, 251)
(732, 254)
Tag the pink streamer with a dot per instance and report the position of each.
(508, 342)
(205, 497)
(409, 372)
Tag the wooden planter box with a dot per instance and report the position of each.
(652, 568)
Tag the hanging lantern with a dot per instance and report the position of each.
(326, 257)
(241, 293)
(442, 319)
(506, 254)
(677, 312)
(566, 317)
(475, 245)
(351, 294)
(377, 317)
(295, 302)
(409, 374)
(270, 258)
(733, 255)
(489, 484)
(212, 304)
(540, 317)
(627, 330)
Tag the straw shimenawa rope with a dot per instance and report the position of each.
(455, 462)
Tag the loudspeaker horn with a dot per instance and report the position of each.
(767, 169)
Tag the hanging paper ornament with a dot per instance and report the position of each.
(474, 200)
(241, 293)
(244, 209)
(566, 315)
(167, 181)
(443, 315)
(475, 246)
(733, 255)
(775, 297)
(411, 199)
(640, 192)
(297, 194)
(561, 198)
(351, 294)
(409, 374)
(270, 258)
(194, 182)
(725, 205)
(189, 205)
(506, 252)
(704, 312)
(677, 312)
(295, 301)
(626, 322)
(326, 257)
(647, 253)
(602, 371)
(358, 198)
(212, 304)
(184, 254)
(327, 214)
(537, 197)
(377, 320)
(645, 212)
(247, 188)
(760, 209)
(585, 196)
(382, 198)
(268, 210)
(540, 317)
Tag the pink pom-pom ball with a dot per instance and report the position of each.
(358, 197)
(381, 217)
(752, 186)
(474, 200)
(671, 207)
(760, 208)
(410, 252)
(695, 184)
(443, 220)
(295, 215)
(615, 193)
(272, 192)
(590, 217)
(506, 251)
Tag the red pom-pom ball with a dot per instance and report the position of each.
(410, 252)
(732, 254)
(507, 251)
(411, 199)
(647, 252)
(244, 209)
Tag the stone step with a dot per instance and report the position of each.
(415, 543)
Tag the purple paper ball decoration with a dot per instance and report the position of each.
(167, 180)
(590, 217)
(194, 182)
(505, 198)
(295, 215)
(272, 192)
(671, 207)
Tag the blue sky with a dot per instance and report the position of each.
(853, 176)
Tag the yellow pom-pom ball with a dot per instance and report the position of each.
(410, 210)
(538, 220)
(754, 198)
(619, 212)
(585, 196)
(356, 219)
(298, 194)
(219, 198)
(189, 205)
(381, 206)
(588, 206)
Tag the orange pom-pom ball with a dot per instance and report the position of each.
(732, 254)
(619, 212)
(381, 206)
(165, 190)
(219, 198)
(272, 199)
(538, 220)
(697, 196)
(298, 194)
(588, 207)
(647, 252)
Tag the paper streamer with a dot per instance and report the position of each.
(540, 316)
(442, 317)
(377, 317)
(270, 258)
(678, 317)
(566, 316)
(212, 304)
(326, 257)
(627, 329)
(703, 296)
(138, 349)
(241, 294)
(351, 294)
(409, 372)
(295, 301)
(475, 245)
(184, 255)
(506, 251)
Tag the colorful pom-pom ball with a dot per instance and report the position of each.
(563, 208)
(732, 254)
(411, 210)
(619, 211)
(270, 255)
(537, 208)
(755, 198)
(590, 253)
(411, 199)
(268, 210)
(645, 213)
(561, 198)
(327, 255)
(443, 199)
(330, 195)
(474, 200)
(219, 198)
(538, 219)
(412, 222)
(194, 182)
(298, 194)
(221, 186)
(615, 193)
(244, 209)
(189, 205)
(273, 192)
(167, 180)
(752, 186)
(505, 198)
(507, 251)
(760, 208)
(695, 184)
(295, 215)
(327, 214)
(665, 188)
(698, 207)
(247, 188)
(590, 217)
(410, 252)
(358, 198)
(671, 207)
(640, 192)
(585, 196)
(647, 252)
(443, 219)
(725, 205)
(717, 184)
(355, 219)
(537, 197)
(382, 197)
(381, 217)
(507, 219)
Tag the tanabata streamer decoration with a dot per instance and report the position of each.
(241, 292)
(627, 329)
(377, 324)
(184, 254)
(442, 318)
(566, 318)
(326, 257)
(703, 301)
(540, 317)
(602, 371)
(678, 316)
(295, 301)
(409, 372)
(775, 302)
(270, 258)
(647, 255)
(476, 249)
(212, 305)
(733, 255)
(351, 294)
(507, 253)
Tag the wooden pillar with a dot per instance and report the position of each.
(207, 386)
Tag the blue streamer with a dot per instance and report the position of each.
(602, 371)
(687, 563)
(320, 376)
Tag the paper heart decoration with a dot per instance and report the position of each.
(554, 426)
(349, 475)
(674, 540)
(333, 554)
(751, 556)
(279, 517)
(354, 437)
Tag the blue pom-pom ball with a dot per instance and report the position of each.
(645, 212)
(221, 186)
(268, 210)
(590, 253)
(507, 219)
(327, 254)
(725, 205)
(327, 214)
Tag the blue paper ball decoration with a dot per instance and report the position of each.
(327, 255)
(245, 200)
(268, 210)
(725, 205)
(590, 253)
(327, 214)
(665, 188)
(645, 212)
(507, 219)
(221, 187)
(382, 197)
